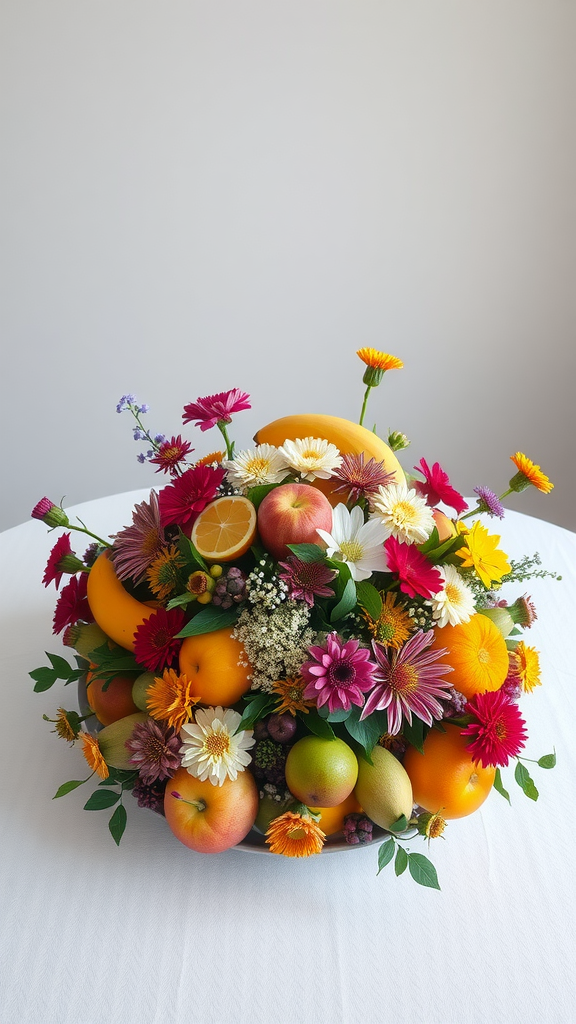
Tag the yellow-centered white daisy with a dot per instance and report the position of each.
(253, 466)
(360, 545)
(212, 749)
(403, 512)
(311, 457)
(455, 602)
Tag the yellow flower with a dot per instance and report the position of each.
(526, 665)
(379, 360)
(291, 691)
(528, 473)
(294, 835)
(93, 755)
(163, 575)
(482, 554)
(208, 460)
(169, 699)
(393, 626)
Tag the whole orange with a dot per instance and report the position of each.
(112, 703)
(213, 664)
(444, 778)
(332, 818)
(477, 652)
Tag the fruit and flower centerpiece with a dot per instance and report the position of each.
(299, 642)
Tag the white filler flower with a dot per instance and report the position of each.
(360, 545)
(311, 457)
(261, 465)
(403, 512)
(211, 747)
(455, 603)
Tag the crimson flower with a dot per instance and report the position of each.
(155, 641)
(61, 559)
(207, 412)
(415, 573)
(498, 731)
(338, 673)
(72, 604)
(170, 453)
(182, 500)
(306, 580)
(437, 487)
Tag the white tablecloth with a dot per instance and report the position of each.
(152, 933)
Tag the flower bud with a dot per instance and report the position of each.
(397, 441)
(51, 514)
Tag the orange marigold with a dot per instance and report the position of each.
(93, 755)
(292, 693)
(379, 360)
(207, 460)
(169, 699)
(526, 665)
(529, 473)
(295, 835)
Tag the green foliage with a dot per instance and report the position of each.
(422, 870)
(319, 726)
(45, 677)
(369, 598)
(498, 786)
(385, 854)
(346, 603)
(257, 494)
(368, 732)
(308, 552)
(259, 705)
(117, 824)
(401, 861)
(525, 782)
(101, 798)
(190, 553)
(67, 787)
(208, 620)
(548, 761)
(400, 825)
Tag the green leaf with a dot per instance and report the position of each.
(120, 776)
(257, 708)
(366, 733)
(60, 665)
(422, 870)
(401, 862)
(335, 716)
(369, 598)
(114, 661)
(308, 552)
(100, 799)
(498, 786)
(67, 787)
(117, 824)
(432, 542)
(385, 854)
(400, 825)
(45, 678)
(257, 494)
(548, 761)
(319, 726)
(190, 553)
(208, 620)
(414, 732)
(346, 603)
(525, 782)
(180, 600)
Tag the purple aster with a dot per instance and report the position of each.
(136, 546)
(306, 580)
(125, 402)
(338, 674)
(154, 751)
(207, 412)
(408, 681)
(360, 478)
(489, 502)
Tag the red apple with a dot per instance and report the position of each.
(207, 818)
(291, 514)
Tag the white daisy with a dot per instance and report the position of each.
(311, 457)
(403, 512)
(212, 749)
(360, 545)
(455, 602)
(261, 465)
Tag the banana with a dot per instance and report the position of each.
(114, 609)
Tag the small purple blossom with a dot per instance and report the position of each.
(137, 434)
(338, 674)
(159, 438)
(306, 580)
(141, 458)
(489, 502)
(143, 408)
(125, 402)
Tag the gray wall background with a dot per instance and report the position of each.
(205, 194)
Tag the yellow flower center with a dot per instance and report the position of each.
(352, 550)
(404, 678)
(296, 833)
(311, 453)
(483, 655)
(217, 744)
(403, 513)
(258, 466)
(452, 593)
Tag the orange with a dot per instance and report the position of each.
(111, 703)
(225, 529)
(211, 661)
(444, 778)
(332, 818)
(477, 652)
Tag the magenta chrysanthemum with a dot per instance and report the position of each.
(409, 681)
(338, 674)
(72, 604)
(182, 500)
(170, 454)
(54, 569)
(136, 546)
(415, 573)
(498, 731)
(437, 487)
(207, 412)
(155, 642)
(306, 580)
(154, 751)
(360, 478)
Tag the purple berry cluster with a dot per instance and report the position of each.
(230, 588)
(357, 829)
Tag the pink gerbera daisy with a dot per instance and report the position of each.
(136, 546)
(62, 559)
(338, 674)
(182, 500)
(72, 604)
(170, 454)
(361, 478)
(155, 641)
(414, 571)
(207, 412)
(409, 681)
(498, 731)
(437, 487)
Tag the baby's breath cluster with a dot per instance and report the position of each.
(275, 633)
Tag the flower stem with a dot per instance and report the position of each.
(84, 529)
(364, 403)
(229, 444)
